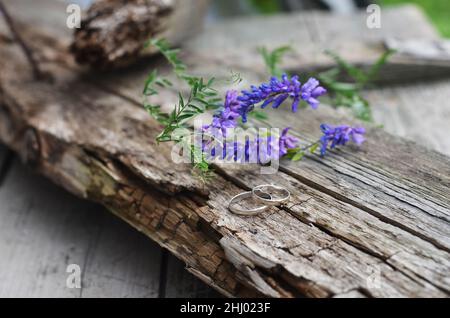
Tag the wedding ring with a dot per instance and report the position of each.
(263, 193)
(236, 210)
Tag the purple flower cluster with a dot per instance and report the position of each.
(258, 150)
(227, 117)
(277, 91)
(340, 135)
(264, 149)
(286, 142)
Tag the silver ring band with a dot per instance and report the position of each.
(240, 197)
(266, 198)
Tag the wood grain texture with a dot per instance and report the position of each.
(419, 112)
(43, 229)
(370, 223)
(113, 33)
(310, 34)
(180, 283)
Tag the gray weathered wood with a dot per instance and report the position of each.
(381, 213)
(419, 112)
(43, 229)
(180, 283)
(311, 33)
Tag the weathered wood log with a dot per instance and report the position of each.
(113, 32)
(371, 223)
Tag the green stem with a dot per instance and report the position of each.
(310, 145)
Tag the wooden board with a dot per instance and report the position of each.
(233, 45)
(43, 229)
(372, 223)
(180, 283)
(419, 112)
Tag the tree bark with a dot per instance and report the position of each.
(113, 33)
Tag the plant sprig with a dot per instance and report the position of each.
(273, 58)
(202, 96)
(349, 94)
(185, 109)
(343, 94)
(297, 154)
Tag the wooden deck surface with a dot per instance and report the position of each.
(390, 213)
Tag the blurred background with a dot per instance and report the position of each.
(437, 10)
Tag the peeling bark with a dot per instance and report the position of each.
(113, 32)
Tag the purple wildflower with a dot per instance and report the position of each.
(311, 91)
(340, 135)
(227, 117)
(232, 102)
(277, 91)
(257, 150)
(286, 142)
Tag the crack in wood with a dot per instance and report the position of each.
(37, 72)
(372, 212)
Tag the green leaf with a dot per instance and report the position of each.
(361, 109)
(210, 82)
(202, 96)
(358, 75)
(151, 78)
(343, 87)
(258, 115)
(298, 156)
(375, 68)
(235, 78)
(349, 94)
(184, 117)
(314, 148)
(273, 58)
(180, 101)
(170, 54)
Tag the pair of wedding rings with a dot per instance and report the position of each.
(264, 194)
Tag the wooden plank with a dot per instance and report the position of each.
(417, 112)
(180, 283)
(386, 215)
(345, 35)
(43, 229)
